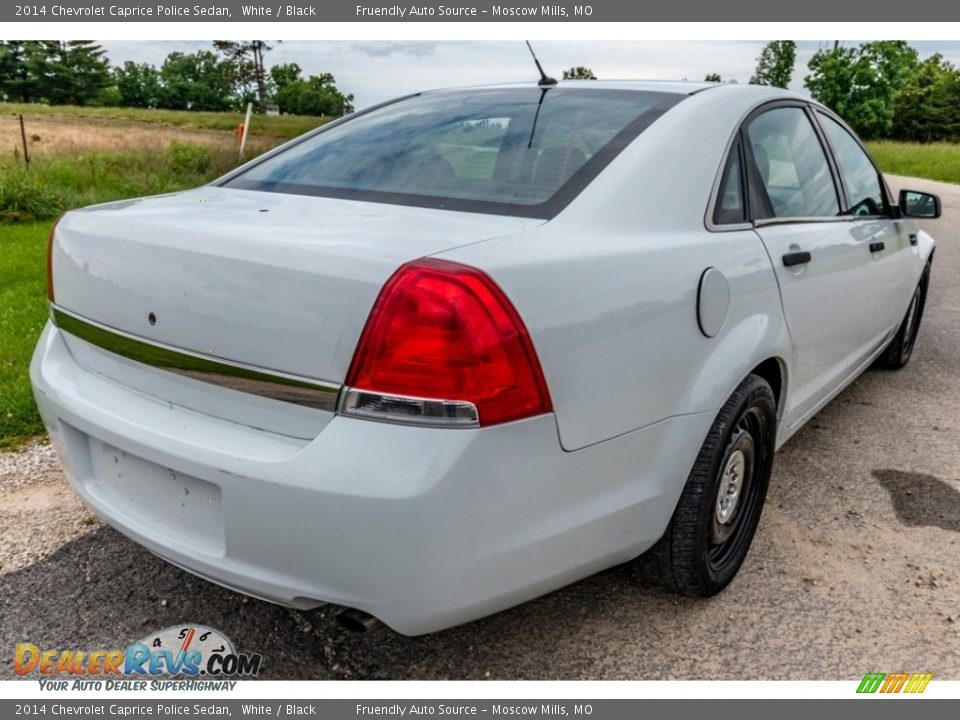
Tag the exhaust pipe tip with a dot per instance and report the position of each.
(357, 621)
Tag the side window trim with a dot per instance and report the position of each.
(744, 185)
(755, 189)
(734, 144)
(753, 198)
(824, 148)
(734, 153)
(815, 113)
(842, 197)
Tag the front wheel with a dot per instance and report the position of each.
(715, 520)
(900, 349)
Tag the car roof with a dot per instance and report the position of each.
(679, 87)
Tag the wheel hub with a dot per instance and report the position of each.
(733, 488)
(731, 485)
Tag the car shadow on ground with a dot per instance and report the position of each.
(102, 591)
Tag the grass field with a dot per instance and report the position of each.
(81, 156)
(87, 155)
(936, 161)
(284, 126)
(22, 314)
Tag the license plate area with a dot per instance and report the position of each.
(165, 502)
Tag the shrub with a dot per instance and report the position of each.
(191, 159)
(25, 199)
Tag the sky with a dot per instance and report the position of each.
(375, 71)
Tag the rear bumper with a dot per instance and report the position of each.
(423, 528)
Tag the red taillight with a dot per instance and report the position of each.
(444, 333)
(50, 241)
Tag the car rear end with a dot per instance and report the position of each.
(285, 390)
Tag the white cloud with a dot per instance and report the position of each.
(383, 48)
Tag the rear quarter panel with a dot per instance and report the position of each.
(608, 288)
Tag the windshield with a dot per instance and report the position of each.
(517, 151)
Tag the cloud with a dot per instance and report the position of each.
(384, 48)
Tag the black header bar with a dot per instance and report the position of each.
(475, 11)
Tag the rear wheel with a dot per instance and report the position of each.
(900, 349)
(715, 520)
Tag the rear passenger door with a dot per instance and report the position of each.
(819, 254)
(887, 237)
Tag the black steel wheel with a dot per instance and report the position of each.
(717, 515)
(900, 349)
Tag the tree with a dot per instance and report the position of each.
(926, 108)
(860, 83)
(17, 83)
(138, 85)
(316, 95)
(87, 68)
(713, 77)
(775, 64)
(579, 73)
(66, 73)
(200, 81)
(107, 97)
(283, 75)
(246, 57)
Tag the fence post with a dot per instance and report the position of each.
(246, 129)
(26, 150)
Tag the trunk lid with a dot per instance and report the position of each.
(282, 282)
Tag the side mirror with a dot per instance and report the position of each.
(917, 204)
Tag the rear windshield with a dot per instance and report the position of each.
(513, 152)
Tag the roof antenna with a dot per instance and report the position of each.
(545, 80)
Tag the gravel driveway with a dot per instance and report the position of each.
(854, 569)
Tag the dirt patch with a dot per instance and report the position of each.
(39, 512)
(53, 136)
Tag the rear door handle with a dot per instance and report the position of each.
(913, 238)
(877, 247)
(796, 258)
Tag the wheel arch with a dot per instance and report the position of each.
(774, 371)
(760, 344)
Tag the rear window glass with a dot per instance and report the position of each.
(515, 152)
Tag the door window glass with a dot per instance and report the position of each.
(730, 207)
(859, 175)
(791, 165)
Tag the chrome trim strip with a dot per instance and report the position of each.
(766, 222)
(218, 371)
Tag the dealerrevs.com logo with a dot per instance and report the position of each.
(184, 651)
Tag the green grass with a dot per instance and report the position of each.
(284, 126)
(935, 161)
(23, 311)
(73, 182)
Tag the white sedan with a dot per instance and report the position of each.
(461, 349)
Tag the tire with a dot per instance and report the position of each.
(706, 541)
(898, 352)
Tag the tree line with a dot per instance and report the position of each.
(224, 78)
(882, 89)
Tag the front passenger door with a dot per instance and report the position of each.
(819, 255)
(891, 284)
